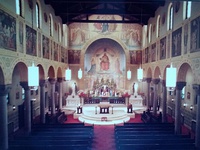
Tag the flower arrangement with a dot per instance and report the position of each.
(82, 94)
(126, 95)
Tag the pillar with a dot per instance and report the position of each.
(52, 82)
(155, 100)
(60, 92)
(197, 133)
(27, 106)
(42, 101)
(148, 91)
(4, 90)
(179, 87)
(164, 104)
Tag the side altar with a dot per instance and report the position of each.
(136, 100)
(73, 100)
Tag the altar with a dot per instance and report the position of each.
(73, 101)
(104, 107)
(136, 100)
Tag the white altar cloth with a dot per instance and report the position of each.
(73, 100)
(136, 100)
(104, 104)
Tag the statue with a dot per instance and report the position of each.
(135, 89)
(74, 89)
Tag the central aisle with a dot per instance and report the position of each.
(103, 138)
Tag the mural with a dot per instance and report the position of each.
(176, 42)
(45, 47)
(39, 45)
(30, 41)
(55, 51)
(146, 55)
(105, 61)
(105, 28)
(21, 36)
(7, 31)
(78, 33)
(63, 55)
(163, 48)
(135, 57)
(195, 35)
(74, 56)
(153, 52)
(185, 38)
(131, 35)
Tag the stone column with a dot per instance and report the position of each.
(148, 91)
(59, 80)
(155, 100)
(197, 133)
(42, 101)
(4, 90)
(164, 104)
(52, 82)
(179, 87)
(27, 107)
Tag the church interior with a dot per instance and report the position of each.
(99, 75)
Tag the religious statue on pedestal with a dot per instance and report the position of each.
(74, 89)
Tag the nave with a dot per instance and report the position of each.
(74, 135)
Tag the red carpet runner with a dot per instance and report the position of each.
(103, 138)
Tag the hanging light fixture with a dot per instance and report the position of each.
(140, 74)
(68, 75)
(33, 76)
(129, 74)
(171, 78)
(80, 73)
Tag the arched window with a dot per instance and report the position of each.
(150, 33)
(187, 9)
(50, 25)
(158, 27)
(59, 33)
(170, 16)
(19, 6)
(37, 11)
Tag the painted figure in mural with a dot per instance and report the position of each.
(104, 64)
(133, 38)
(98, 26)
(117, 66)
(93, 66)
(105, 27)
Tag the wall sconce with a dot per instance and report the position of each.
(33, 76)
(68, 74)
(80, 73)
(191, 107)
(184, 105)
(140, 74)
(171, 78)
(172, 99)
(129, 74)
(14, 107)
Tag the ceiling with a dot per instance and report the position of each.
(131, 11)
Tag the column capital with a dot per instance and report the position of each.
(180, 85)
(42, 83)
(4, 89)
(52, 80)
(60, 79)
(156, 81)
(148, 80)
(196, 87)
(24, 85)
